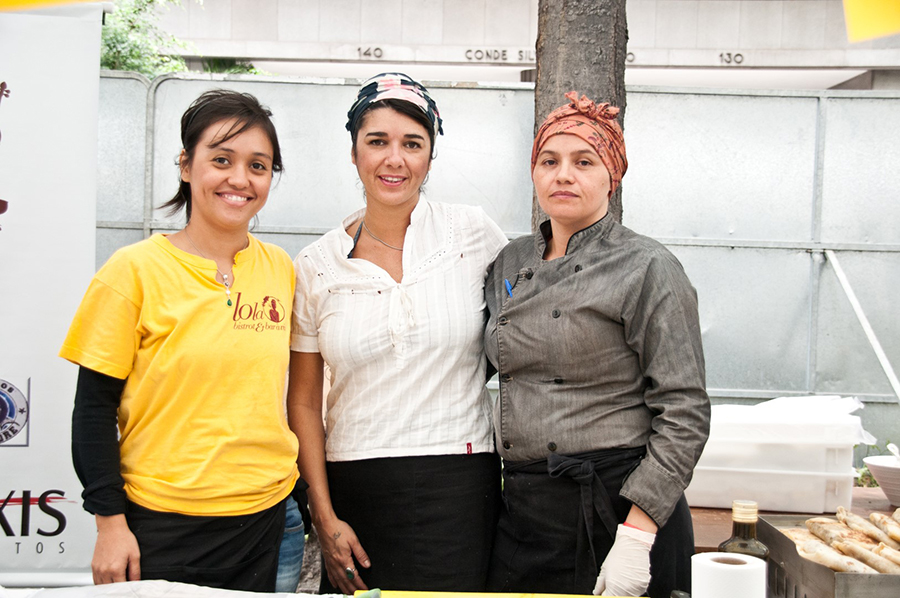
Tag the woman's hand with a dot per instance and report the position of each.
(340, 546)
(626, 569)
(338, 540)
(117, 556)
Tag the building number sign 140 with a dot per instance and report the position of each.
(369, 52)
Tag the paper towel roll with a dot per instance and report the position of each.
(721, 574)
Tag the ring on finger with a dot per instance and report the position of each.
(350, 572)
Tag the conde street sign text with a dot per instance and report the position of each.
(437, 54)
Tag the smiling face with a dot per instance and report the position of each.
(229, 180)
(571, 182)
(392, 156)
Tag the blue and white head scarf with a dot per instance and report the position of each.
(396, 86)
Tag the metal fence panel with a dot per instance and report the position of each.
(861, 185)
(846, 363)
(719, 166)
(122, 137)
(121, 162)
(484, 158)
(110, 239)
(754, 306)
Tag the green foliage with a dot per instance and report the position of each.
(865, 477)
(133, 41)
(230, 66)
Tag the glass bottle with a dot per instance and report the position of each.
(743, 531)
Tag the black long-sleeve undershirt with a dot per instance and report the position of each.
(95, 442)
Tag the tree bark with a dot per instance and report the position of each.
(581, 46)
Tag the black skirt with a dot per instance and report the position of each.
(233, 553)
(543, 545)
(427, 523)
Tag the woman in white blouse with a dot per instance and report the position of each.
(404, 480)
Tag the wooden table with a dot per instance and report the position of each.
(713, 526)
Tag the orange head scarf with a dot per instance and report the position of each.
(596, 124)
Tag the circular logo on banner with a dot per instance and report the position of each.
(13, 411)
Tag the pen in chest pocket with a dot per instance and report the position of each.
(509, 285)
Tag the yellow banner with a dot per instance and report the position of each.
(23, 4)
(868, 19)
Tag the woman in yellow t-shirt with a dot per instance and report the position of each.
(182, 340)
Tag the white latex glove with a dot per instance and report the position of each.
(626, 570)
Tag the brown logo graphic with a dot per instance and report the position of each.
(275, 311)
(268, 314)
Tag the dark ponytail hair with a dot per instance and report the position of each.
(211, 107)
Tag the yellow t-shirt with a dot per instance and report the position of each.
(202, 424)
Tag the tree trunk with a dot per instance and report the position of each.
(581, 46)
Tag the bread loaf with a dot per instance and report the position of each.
(877, 562)
(887, 525)
(854, 521)
(831, 531)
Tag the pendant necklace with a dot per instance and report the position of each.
(379, 240)
(224, 276)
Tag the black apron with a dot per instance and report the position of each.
(558, 522)
(426, 522)
(228, 552)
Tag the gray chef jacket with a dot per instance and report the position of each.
(599, 349)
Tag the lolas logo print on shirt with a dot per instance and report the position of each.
(266, 314)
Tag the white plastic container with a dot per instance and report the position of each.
(793, 455)
(773, 490)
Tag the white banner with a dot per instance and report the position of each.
(49, 73)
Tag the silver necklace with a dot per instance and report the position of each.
(224, 276)
(379, 240)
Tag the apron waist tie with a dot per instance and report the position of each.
(587, 470)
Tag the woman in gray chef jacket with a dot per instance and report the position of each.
(602, 412)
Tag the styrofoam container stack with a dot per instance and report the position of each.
(791, 454)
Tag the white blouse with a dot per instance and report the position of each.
(406, 359)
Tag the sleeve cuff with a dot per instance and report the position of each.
(304, 344)
(106, 496)
(80, 358)
(653, 489)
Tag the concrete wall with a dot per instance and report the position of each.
(770, 33)
(425, 30)
(747, 189)
(697, 33)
